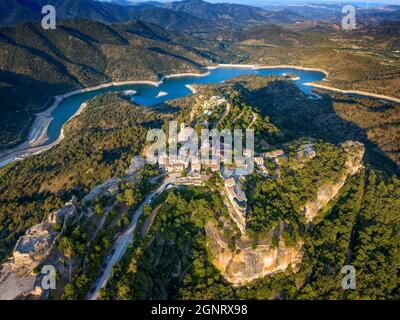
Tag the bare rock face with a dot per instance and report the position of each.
(68, 210)
(248, 263)
(17, 276)
(32, 247)
(355, 154)
(13, 285)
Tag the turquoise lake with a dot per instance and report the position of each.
(175, 87)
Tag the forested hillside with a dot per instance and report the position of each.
(351, 230)
(99, 145)
(171, 255)
(36, 64)
(358, 227)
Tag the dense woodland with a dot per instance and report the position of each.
(99, 145)
(291, 184)
(359, 227)
(172, 254)
(36, 64)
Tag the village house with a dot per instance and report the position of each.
(259, 161)
(235, 194)
(306, 151)
(214, 166)
(238, 199)
(172, 165)
(248, 153)
(176, 167)
(214, 101)
(196, 166)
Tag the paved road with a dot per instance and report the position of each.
(122, 242)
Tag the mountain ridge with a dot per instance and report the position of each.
(188, 15)
(36, 64)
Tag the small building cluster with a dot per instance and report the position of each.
(213, 102)
(171, 165)
(306, 151)
(221, 161)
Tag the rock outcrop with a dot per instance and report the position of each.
(248, 263)
(32, 247)
(17, 276)
(355, 153)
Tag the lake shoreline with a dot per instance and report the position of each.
(260, 67)
(38, 132)
(356, 92)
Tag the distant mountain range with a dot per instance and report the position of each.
(332, 12)
(187, 15)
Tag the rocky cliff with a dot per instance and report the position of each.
(17, 275)
(355, 153)
(249, 262)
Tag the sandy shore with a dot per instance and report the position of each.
(284, 66)
(38, 137)
(259, 67)
(316, 85)
(357, 92)
(225, 65)
(38, 133)
(177, 75)
(191, 88)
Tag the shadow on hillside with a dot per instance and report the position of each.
(299, 116)
(146, 32)
(29, 83)
(161, 51)
(118, 39)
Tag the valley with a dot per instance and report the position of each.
(290, 234)
(290, 121)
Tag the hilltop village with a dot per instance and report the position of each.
(191, 171)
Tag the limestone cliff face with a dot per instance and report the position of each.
(248, 263)
(355, 153)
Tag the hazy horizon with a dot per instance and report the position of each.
(281, 2)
